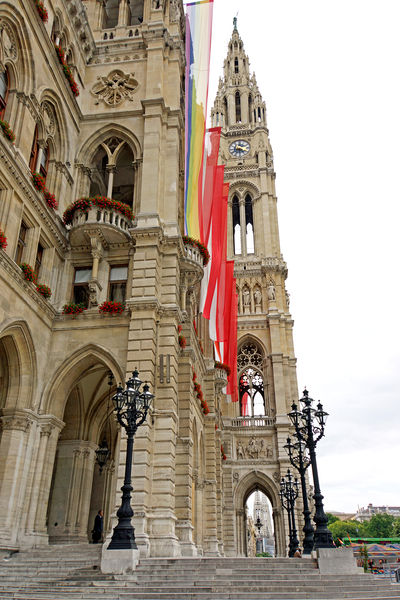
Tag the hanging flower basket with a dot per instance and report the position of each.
(223, 366)
(28, 272)
(111, 307)
(67, 70)
(44, 290)
(73, 309)
(84, 204)
(202, 249)
(182, 341)
(8, 132)
(50, 199)
(43, 14)
(3, 240)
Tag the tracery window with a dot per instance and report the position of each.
(113, 171)
(4, 88)
(39, 160)
(251, 383)
(249, 225)
(236, 65)
(237, 108)
(237, 243)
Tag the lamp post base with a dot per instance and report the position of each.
(118, 562)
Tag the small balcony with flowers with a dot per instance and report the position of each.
(194, 259)
(113, 219)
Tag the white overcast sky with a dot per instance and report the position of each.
(329, 73)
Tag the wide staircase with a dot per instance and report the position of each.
(72, 572)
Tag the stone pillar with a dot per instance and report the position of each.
(14, 460)
(210, 538)
(111, 171)
(123, 13)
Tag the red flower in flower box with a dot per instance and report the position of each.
(3, 240)
(50, 199)
(39, 182)
(111, 307)
(202, 249)
(73, 309)
(223, 366)
(28, 272)
(8, 132)
(84, 204)
(44, 290)
(44, 15)
(182, 341)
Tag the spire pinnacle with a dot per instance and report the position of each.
(235, 22)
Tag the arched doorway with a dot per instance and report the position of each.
(78, 488)
(256, 481)
(260, 526)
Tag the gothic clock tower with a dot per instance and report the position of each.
(257, 426)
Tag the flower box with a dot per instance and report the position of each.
(43, 14)
(73, 309)
(28, 272)
(67, 70)
(50, 199)
(202, 249)
(111, 307)
(39, 182)
(3, 240)
(182, 341)
(44, 290)
(223, 455)
(85, 204)
(8, 132)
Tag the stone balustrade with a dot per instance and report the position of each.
(261, 421)
(114, 225)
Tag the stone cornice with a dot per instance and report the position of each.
(28, 289)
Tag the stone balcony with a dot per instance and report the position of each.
(113, 225)
(192, 264)
(249, 422)
(221, 379)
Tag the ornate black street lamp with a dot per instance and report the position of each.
(131, 407)
(309, 424)
(289, 492)
(300, 460)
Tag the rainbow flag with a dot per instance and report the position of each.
(198, 48)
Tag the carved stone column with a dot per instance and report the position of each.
(15, 425)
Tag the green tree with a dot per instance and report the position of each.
(331, 518)
(396, 527)
(343, 529)
(380, 525)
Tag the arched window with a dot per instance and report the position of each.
(136, 12)
(237, 242)
(226, 109)
(113, 172)
(39, 161)
(4, 88)
(237, 108)
(236, 65)
(251, 383)
(250, 107)
(249, 225)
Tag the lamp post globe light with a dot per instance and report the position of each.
(300, 460)
(289, 492)
(309, 424)
(131, 407)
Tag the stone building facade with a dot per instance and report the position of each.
(123, 137)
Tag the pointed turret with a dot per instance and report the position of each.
(238, 99)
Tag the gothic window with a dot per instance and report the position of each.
(111, 14)
(250, 107)
(112, 171)
(259, 114)
(237, 243)
(226, 110)
(117, 285)
(237, 108)
(39, 259)
(236, 65)
(21, 243)
(39, 160)
(4, 88)
(136, 12)
(249, 225)
(251, 384)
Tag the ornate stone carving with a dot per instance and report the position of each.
(49, 120)
(287, 296)
(249, 355)
(255, 448)
(17, 422)
(115, 88)
(257, 297)
(271, 290)
(276, 477)
(246, 297)
(7, 42)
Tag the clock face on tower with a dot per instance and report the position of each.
(239, 148)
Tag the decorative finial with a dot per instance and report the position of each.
(235, 22)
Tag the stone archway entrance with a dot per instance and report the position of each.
(78, 489)
(252, 482)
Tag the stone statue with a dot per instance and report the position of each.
(234, 22)
(257, 297)
(271, 291)
(287, 295)
(246, 297)
(240, 450)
